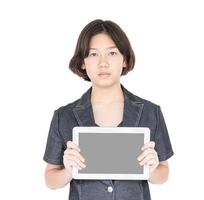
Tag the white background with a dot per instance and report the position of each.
(37, 40)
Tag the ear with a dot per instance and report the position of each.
(83, 66)
(124, 64)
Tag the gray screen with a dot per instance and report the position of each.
(111, 153)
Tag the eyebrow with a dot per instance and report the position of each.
(111, 47)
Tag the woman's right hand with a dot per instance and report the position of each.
(71, 158)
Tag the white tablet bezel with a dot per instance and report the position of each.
(106, 130)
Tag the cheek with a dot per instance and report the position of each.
(117, 64)
(116, 61)
(91, 62)
(91, 70)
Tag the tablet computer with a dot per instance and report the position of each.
(111, 152)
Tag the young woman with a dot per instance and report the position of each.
(103, 53)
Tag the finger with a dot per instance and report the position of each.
(147, 145)
(151, 162)
(81, 164)
(72, 145)
(147, 159)
(75, 159)
(73, 164)
(75, 153)
(145, 153)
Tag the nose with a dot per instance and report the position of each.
(103, 62)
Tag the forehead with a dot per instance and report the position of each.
(101, 40)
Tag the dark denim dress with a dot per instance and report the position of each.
(138, 112)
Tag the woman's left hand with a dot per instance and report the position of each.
(149, 156)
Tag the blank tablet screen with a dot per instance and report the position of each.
(111, 153)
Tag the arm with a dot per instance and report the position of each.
(159, 171)
(56, 176)
(160, 174)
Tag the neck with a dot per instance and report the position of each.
(107, 94)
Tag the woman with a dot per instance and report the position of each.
(103, 53)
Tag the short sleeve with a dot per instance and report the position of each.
(54, 148)
(162, 140)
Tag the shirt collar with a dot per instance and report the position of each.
(132, 109)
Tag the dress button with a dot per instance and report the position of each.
(110, 189)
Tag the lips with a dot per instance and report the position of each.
(104, 74)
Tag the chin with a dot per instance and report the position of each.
(105, 84)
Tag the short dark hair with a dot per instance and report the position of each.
(82, 48)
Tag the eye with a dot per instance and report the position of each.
(92, 54)
(113, 53)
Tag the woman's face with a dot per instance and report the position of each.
(104, 63)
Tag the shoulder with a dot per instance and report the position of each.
(147, 108)
(65, 114)
(67, 108)
(140, 100)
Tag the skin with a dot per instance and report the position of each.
(104, 66)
